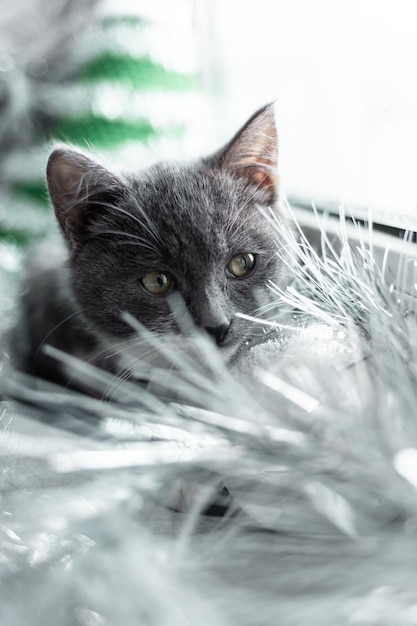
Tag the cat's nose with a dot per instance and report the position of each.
(218, 333)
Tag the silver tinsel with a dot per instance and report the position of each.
(312, 432)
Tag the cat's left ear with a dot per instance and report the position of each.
(81, 191)
(252, 154)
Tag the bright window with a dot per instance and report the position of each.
(344, 74)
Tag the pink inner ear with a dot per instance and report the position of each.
(261, 179)
(79, 188)
(265, 181)
(67, 181)
(260, 167)
(253, 153)
(65, 174)
(68, 175)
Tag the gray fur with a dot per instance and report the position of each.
(186, 219)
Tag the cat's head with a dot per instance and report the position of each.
(195, 229)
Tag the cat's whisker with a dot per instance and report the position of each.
(146, 224)
(121, 347)
(157, 346)
(151, 226)
(144, 245)
(243, 223)
(126, 238)
(138, 359)
(117, 383)
(249, 200)
(61, 323)
(237, 217)
(127, 371)
(106, 350)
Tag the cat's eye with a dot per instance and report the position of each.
(157, 283)
(241, 264)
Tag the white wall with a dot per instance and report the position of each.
(344, 74)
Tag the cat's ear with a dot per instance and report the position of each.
(79, 189)
(252, 154)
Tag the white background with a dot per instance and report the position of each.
(344, 74)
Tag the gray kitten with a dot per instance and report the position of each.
(130, 241)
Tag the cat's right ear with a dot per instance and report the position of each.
(79, 188)
(252, 155)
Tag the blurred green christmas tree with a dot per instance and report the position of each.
(85, 79)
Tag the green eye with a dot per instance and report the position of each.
(241, 264)
(157, 283)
